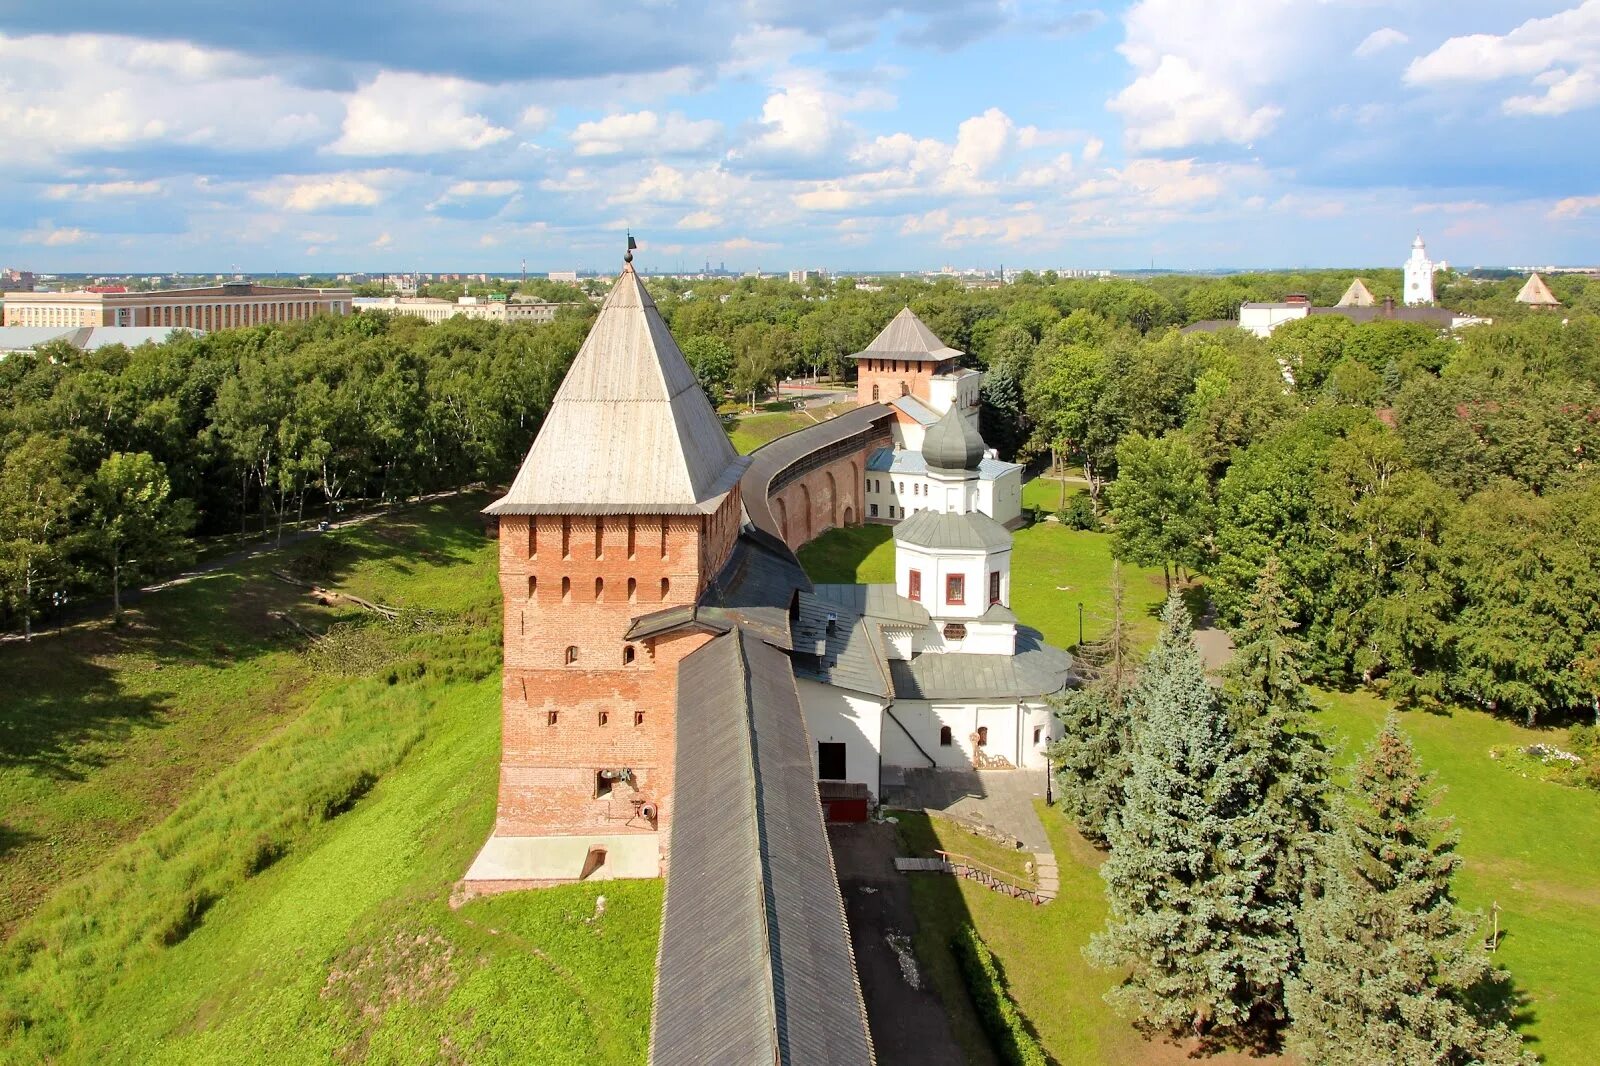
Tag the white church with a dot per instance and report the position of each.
(934, 670)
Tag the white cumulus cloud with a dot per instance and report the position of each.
(1378, 40)
(1204, 72)
(415, 114)
(322, 192)
(1574, 206)
(1559, 55)
(644, 133)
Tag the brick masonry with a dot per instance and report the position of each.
(886, 380)
(824, 498)
(577, 698)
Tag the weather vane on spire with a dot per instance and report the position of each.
(627, 256)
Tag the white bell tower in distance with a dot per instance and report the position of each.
(1419, 275)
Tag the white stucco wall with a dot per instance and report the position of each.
(1004, 502)
(973, 566)
(836, 715)
(1263, 320)
(924, 720)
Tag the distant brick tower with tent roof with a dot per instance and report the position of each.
(627, 503)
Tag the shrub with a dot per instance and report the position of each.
(1001, 1019)
(1079, 513)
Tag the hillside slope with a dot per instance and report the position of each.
(275, 825)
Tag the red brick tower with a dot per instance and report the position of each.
(627, 504)
(901, 361)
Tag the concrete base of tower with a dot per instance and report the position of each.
(507, 863)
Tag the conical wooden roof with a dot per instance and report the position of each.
(1537, 293)
(1357, 295)
(630, 430)
(906, 337)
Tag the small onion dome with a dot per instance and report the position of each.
(952, 446)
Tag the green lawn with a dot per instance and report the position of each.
(1045, 493)
(275, 831)
(750, 432)
(1531, 846)
(1052, 570)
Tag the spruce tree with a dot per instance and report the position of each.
(1185, 876)
(1391, 972)
(1287, 766)
(1091, 758)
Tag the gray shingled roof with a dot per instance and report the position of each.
(849, 657)
(629, 431)
(905, 337)
(963, 532)
(877, 601)
(755, 963)
(1037, 669)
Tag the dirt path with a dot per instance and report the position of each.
(908, 1022)
(92, 610)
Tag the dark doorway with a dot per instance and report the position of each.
(830, 761)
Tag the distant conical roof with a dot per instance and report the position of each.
(906, 337)
(1537, 293)
(1357, 295)
(630, 430)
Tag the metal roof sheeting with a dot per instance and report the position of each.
(918, 410)
(905, 337)
(629, 431)
(905, 461)
(850, 658)
(1037, 669)
(755, 962)
(962, 532)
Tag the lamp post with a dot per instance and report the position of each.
(1080, 623)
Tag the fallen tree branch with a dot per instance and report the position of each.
(289, 620)
(328, 597)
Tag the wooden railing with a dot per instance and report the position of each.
(995, 879)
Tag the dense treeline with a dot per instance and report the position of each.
(1434, 500)
(1369, 458)
(108, 458)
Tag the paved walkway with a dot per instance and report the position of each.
(1216, 646)
(908, 1021)
(997, 799)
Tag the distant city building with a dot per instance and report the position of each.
(800, 277)
(1419, 275)
(1262, 318)
(570, 276)
(16, 280)
(517, 309)
(15, 339)
(211, 308)
(1535, 293)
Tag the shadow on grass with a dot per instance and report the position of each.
(1504, 1002)
(12, 838)
(68, 701)
(839, 555)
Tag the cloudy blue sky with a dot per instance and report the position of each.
(778, 134)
